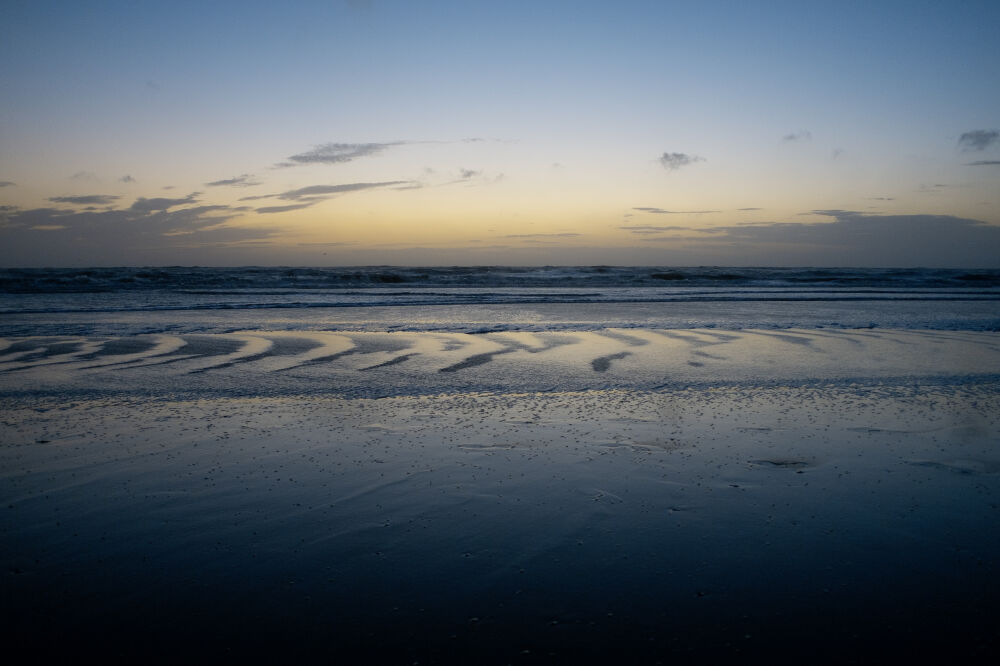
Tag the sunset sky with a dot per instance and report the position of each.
(465, 132)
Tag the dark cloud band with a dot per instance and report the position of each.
(978, 139)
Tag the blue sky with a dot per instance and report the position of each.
(517, 132)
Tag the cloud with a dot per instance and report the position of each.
(674, 161)
(6, 183)
(86, 200)
(337, 153)
(560, 235)
(801, 135)
(660, 211)
(144, 205)
(856, 239)
(983, 163)
(56, 236)
(649, 229)
(84, 175)
(978, 139)
(282, 209)
(244, 180)
(126, 179)
(313, 194)
(833, 212)
(749, 209)
(466, 176)
(317, 192)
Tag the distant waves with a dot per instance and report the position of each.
(134, 301)
(248, 279)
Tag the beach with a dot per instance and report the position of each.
(501, 483)
(149, 510)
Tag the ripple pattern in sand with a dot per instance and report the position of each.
(648, 358)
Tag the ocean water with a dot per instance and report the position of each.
(132, 301)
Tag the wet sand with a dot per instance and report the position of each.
(647, 496)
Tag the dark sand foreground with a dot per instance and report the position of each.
(795, 522)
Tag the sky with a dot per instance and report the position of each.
(358, 132)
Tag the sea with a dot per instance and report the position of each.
(483, 299)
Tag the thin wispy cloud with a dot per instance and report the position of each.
(337, 153)
(284, 209)
(144, 205)
(834, 212)
(127, 178)
(244, 180)
(748, 209)
(661, 211)
(674, 161)
(84, 175)
(983, 163)
(801, 135)
(467, 176)
(324, 191)
(557, 235)
(978, 139)
(86, 200)
(643, 229)
(304, 197)
(7, 183)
